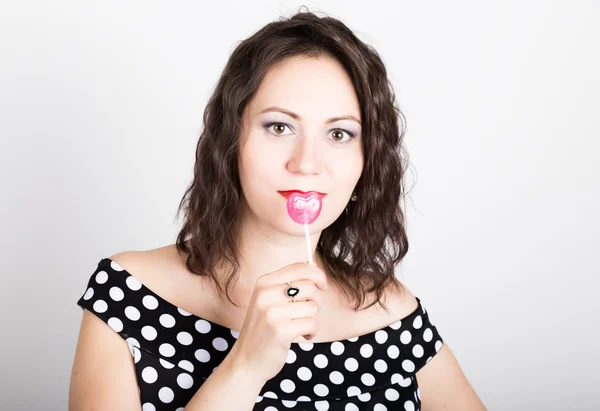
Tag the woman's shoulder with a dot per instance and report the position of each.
(163, 271)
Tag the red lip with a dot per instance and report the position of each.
(286, 194)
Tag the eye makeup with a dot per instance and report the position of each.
(268, 125)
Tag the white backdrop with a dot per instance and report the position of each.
(100, 109)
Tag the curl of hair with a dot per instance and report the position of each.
(362, 247)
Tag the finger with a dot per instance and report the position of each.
(295, 272)
(308, 291)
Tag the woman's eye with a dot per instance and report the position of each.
(337, 135)
(278, 128)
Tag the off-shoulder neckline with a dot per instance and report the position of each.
(214, 324)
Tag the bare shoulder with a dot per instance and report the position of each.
(444, 386)
(145, 265)
(400, 302)
(163, 271)
(103, 371)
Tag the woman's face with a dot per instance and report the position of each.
(303, 149)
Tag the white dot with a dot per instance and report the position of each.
(351, 407)
(100, 306)
(270, 394)
(133, 283)
(166, 349)
(183, 312)
(150, 302)
(167, 320)
(132, 313)
(185, 381)
(149, 375)
(322, 405)
(405, 337)
(306, 346)
(186, 365)
(166, 395)
(148, 407)
(184, 338)
(353, 339)
(336, 377)
(101, 277)
(418, 351)
(418, 322)
(202, 355)
(203, 326)
(270, 408)
(351, 364)
(287, 386)
(137, 356)
(291, 358)
(392, 394)
(396, 325)
(304, 373)
(115, 266)
(393, 352)
(353, 391)
(367, 379)
(133, 346)
(234, 334)
(115, 324)
(321, 361)
(337, 348)
(427, 334)
(133, 342)
(220, 344)
(438, 345)
(166, 364)
(321, 390)
(381, 336)
(88, 294)
(381, 366)
(364, 397)
(405, 382)
(116, 293)
(409, 406)
(149, 332)
(408, 365)
(366, 350)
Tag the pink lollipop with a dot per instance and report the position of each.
(304, 208)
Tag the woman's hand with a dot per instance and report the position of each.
(273, 321)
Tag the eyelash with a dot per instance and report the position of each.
(352, 135)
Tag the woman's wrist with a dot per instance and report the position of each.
(242, 371)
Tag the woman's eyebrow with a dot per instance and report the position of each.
(297, 117)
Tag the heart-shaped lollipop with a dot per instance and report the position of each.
(304, 208)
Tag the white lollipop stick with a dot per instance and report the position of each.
(306, 234)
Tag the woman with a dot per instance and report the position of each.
(231, 316)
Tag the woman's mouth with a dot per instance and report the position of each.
(287, 193)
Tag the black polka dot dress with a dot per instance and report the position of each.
(175, 352)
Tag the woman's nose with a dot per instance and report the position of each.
(306, 157)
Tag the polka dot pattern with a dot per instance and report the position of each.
(174, 352)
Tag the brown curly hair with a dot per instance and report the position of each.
(362, 247)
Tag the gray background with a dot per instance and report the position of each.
(101, 105)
